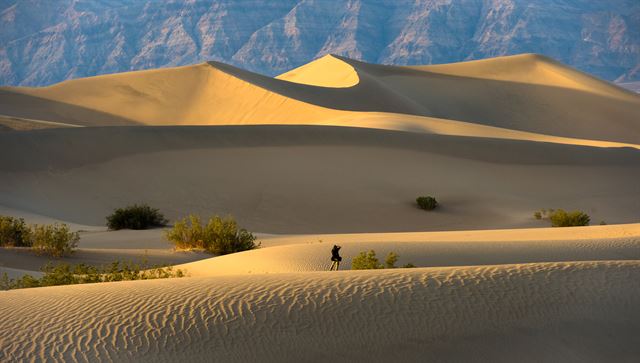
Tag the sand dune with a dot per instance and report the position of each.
(525, 93)
(328, 71)
(562, 311)
(429, 249)
(371, 176)
(303, 253)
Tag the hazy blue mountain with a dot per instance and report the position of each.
(46, 41)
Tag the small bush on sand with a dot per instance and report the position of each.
(14, 232)
(55, 240)
(561, 218)
(136, 217)
(427, 202)
(65, 274)
(219, 236)
(368, 261)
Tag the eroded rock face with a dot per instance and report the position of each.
(43, 42)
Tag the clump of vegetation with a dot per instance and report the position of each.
(367, 260)
(55, 239)
(427, 202)
(14, 232)
(136, 217)
(65, 274)
(562, 218)
(219, 236)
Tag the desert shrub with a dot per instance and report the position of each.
(219, 236)
(187, 233)
(367, 260)
(409, 265)
(23, 282)
(55, 239)
(14, 232)
(427, 202)
(136, 217)
(65, 274)
(537, 215)
(561, 218)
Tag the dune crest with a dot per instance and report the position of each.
(532, 69)
(327, 71)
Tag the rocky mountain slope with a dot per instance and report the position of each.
(43, 42)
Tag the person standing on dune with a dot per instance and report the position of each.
(335, 258)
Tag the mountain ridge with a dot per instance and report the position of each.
(46, 42)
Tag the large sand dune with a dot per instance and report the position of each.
(525, 93)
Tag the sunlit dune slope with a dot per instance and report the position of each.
(327, 71)
(560, 311)
(526, 93)
(529, 68)
(198, 94)
(303, 253)
(313, 179)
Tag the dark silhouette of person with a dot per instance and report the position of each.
(335, 258)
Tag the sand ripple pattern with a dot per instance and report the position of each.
(581, 311)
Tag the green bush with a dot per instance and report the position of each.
(427, 203)
(55, 240)
(14, 232)
(561, 218)
(65, 274)
(368, 261)
(136, 217)
(219, 236)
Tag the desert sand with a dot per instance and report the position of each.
(333, 152)
(567, 311)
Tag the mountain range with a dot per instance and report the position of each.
(44, 42)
